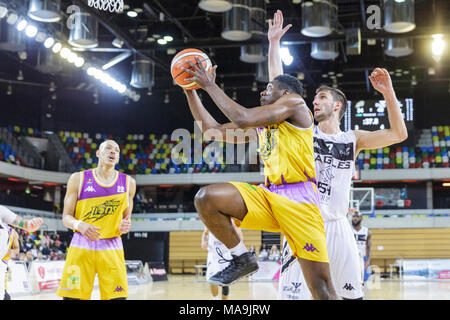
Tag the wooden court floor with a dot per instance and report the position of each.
(186, 287)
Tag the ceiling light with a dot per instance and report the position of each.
(31, 31)
(438, 45)
(12, 18)
(71, 57)
(79, 62)
(162, 41)
(132, 14)
(286, 56)
(65, 52)
(3, 10)
(40, 37)
(57, 47)
(168, 38)
(9, 90)
(49, 42)
(22, 25)
(20, 75)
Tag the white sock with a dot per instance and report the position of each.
(239, 249)
(215, 297)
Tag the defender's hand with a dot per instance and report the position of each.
(276, 30)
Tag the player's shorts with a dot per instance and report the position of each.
(292, 209)
(345, 268)
(85, 259)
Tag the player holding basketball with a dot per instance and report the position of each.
(218, 259)
(97, 207)
(7, 217)
(288, 201)
(335, 153)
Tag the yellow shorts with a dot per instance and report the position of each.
(85, 259)
(292, 209)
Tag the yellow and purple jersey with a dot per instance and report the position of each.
(102, 205)
(288, 153)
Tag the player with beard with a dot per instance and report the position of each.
(363, 238)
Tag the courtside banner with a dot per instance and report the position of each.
(421, 269)
(46, 275)
(17, 279)
(157, 271)
(268, 271)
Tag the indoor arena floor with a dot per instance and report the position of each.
(186, 287)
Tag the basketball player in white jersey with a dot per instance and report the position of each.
(9, 218)
(363, 238)
(335, 152)
(219, 257)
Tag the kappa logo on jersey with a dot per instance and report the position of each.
(98, 212)
(296, 286)
(348, 287)
(89, 189)
(310, 248)
(120, 189)
(118, 289)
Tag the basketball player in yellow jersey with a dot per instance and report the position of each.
(97, 207)
(288, 201)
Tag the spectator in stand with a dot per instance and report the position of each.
(263, 253)
(252, 250)
(28, 244)
(46, 250)
(34, 251)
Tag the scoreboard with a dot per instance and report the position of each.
(372, 114)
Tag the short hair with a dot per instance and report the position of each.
(290, 83)
(338, 96)
(105, 142)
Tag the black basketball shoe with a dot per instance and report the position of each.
(239, 267)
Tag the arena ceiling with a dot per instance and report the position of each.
(192, 27)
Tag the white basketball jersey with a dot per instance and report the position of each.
(335, 166)
(361, 239)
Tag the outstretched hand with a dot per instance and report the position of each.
(381, 80)
(276, 30)
(201, 76)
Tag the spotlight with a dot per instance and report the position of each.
(12, 18)
(40, 37)
(166, 98)
(20, 75)
(79, 62)
(438, 46)
(57, 47)
(49, 42)
(22, 25)
(52, 87)
(286, 56)
(65, 52)
(31, 31)
(71, 57)
(162, 41)
(3, 10)
(132, 14)
(168, 38)
(91, 71)
(9, 90)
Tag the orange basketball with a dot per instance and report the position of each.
(180, 61)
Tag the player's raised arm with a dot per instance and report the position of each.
(70, 202)
(397, 132)
(203, 117)
(274, 34)
(14, 220)
(286, 106)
